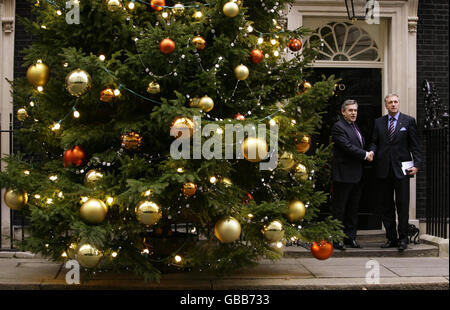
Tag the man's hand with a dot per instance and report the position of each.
(370, 156)
(412, 171)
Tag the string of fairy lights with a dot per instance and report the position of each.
(166, 12)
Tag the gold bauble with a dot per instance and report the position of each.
(178, 9)
(274, 232)
(38, 74)
(241, 72)
(92, 176)
(286, 161)
(131, 140)
(78, 82)
(183, 126)
(153, 88)
(304, 87)
(304, 144)
(206, 104)
(301, 171)
(189, 189)
(231, 9)
(199, 42)
(296, 211)
(254, 149)
(88, 256)
(22, 114)
(227, 182)
(227, 230)
(114, 5)
(194, 102)
(15, 200)
(148, 212)
(107, 95)
(93, 211)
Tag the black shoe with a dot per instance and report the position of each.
(403, 245)
(339, 246)
(390, 244)
(353, 244)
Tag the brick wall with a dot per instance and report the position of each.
(432, 64)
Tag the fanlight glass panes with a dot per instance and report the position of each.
(344, 42)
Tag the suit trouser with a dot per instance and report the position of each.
(400, 187)
(345, 204)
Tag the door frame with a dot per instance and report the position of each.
(399, 70)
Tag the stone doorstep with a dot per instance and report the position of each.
(440, 243)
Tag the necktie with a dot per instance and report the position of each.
(391, 129)
(357, 133)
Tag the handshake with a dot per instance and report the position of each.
(369, 156)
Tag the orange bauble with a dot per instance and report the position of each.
(157, 5)
(304, 144)
(322, 250)
(167, 46)
(74, 156)
(239, 117)
(256, 56)
(295, 45)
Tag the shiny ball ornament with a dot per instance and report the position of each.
(93, 211)
(199, 43)
(304, 144)
(286, 161)
(296, 211)
(107, 95)
(114, 5)
(88, 256)
(304, 87)
(194, 102)
(14, 199)
(247, 199)
(22, 114)
(231, 9)
(74, 156)
(131, 140)
(295, 45)
(206, 104)
(178, 9)
(227, 230)
(38, 74)
(301, 171)
(254, 149)
(322, 250)
(153, 88)
(227, 182)
(148, 213)
(189, 189)
(78, 82)
(241, 72)
(182, 127)
(157, 5)
(256, 56)
(92, 176)
(274, 232)
(239, 117)
(167, 46)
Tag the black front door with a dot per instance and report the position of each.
(364, 86)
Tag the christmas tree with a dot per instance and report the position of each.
(125, 114)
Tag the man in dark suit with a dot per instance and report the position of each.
(347, 169)
(394, 140)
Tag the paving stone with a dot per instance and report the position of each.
(420, 272)
(356, 271)
(413, 262)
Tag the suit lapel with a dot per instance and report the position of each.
(351, 131)
(399, 126)
(385, 126)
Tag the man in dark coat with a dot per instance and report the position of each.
(394, 140)
(347, 169)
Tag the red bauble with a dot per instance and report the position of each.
(256, 56)
(74, 156)
(239, 117)
(322, 250)
(248, 198)
(157, 5)
(167, 46)
(295, 45)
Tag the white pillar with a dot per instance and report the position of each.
(7, 15)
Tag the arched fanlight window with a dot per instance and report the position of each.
(345, 42)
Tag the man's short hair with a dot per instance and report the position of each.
(391, 95)
(348, 102)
